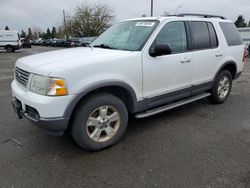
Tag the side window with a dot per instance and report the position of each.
(173, 34)
(231, 34)
(200, 35)
(213, 36)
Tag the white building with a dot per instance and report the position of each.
(245, 34)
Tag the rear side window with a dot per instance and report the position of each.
(200, 35)
(231, 34)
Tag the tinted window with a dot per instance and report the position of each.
(200, 34)
(173, 34)
(231, 34)
(213, 37)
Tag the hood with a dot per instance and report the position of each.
(45, 63)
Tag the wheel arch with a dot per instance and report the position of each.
(231, 66)
(118, 88)
(8, 45)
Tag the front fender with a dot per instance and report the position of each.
(94, 86)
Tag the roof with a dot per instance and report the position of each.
(185, 16)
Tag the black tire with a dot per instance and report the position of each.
(9, 49)
(215, 94)
(79, 129)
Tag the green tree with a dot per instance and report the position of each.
(7, 28)
(240, 22)
(23, 34)
(48, 34)
(30, 35)
(248, 24)
(43, 35)
(53, 33)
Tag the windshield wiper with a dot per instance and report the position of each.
(105, 46)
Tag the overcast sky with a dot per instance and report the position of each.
(21, 14)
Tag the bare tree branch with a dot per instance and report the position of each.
(90, 20)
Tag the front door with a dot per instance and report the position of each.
(168, 73)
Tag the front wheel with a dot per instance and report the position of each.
(222, 87)
(99, 122)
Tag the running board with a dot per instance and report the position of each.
(171, 106)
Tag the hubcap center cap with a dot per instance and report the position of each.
(104, 124)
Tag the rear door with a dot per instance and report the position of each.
(207, 53)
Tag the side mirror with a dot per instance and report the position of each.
(159, 50)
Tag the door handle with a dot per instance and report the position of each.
(186, 60)
(218, 54)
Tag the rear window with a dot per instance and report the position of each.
(231, 34)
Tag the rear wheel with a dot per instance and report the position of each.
(222, 87)
(9, 49)
(99, 122)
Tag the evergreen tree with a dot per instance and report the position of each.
(240, 22)
(7, 28)
(48, 34)
(30, 35)
(53, 33)
(43, 35)
(23, 34)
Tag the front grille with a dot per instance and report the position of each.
(22, 76)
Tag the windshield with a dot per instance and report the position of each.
(128, 35)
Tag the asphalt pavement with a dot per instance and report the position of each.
(197, 145)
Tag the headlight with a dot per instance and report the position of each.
(48, 86)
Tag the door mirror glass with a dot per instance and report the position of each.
(159, 50)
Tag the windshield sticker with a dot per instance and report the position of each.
(145, 24)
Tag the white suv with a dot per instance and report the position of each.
(140, 66)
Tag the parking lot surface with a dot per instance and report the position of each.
(197, 145)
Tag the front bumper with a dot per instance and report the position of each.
(54, 126)
(43, 111)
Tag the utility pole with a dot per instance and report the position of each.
(65, 26)
(152, 8)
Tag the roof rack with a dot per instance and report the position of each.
(201, 15)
